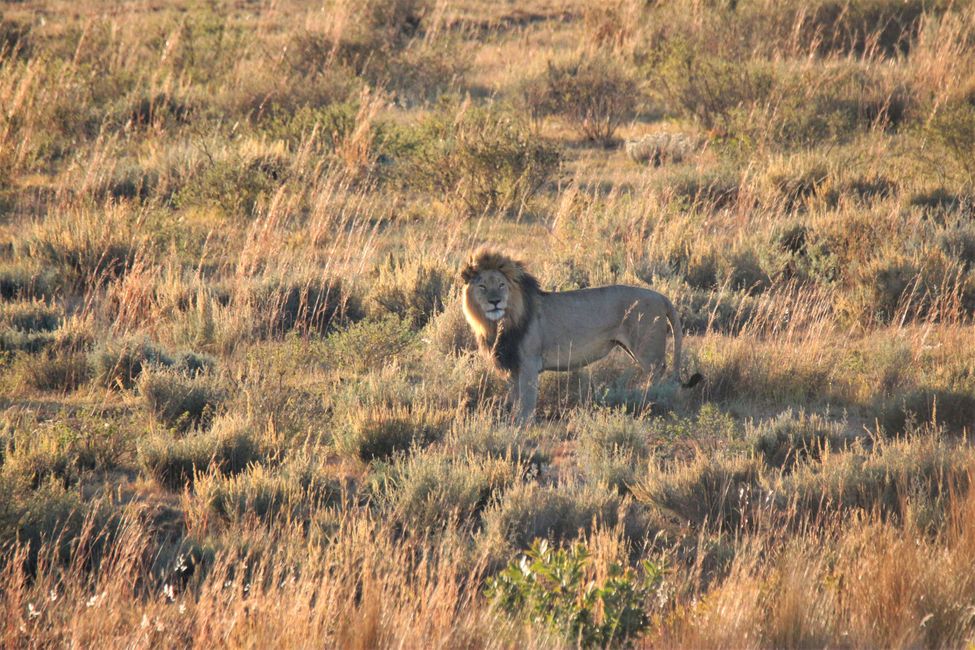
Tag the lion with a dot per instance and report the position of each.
(524, 330)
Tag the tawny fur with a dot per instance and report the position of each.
(525, 330)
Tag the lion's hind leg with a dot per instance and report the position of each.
(644, 338)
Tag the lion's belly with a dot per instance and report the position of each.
(572, 355)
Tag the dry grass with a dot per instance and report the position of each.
(239, 405)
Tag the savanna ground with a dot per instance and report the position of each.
(240, 405)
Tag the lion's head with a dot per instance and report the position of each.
(497, 291)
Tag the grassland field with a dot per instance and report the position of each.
(240, 406)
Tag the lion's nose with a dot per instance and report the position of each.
(495, 302)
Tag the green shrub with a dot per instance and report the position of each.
(594, 94)
(710, 89)
(180, 401)
(18, 282)
(367, 344)
(952, 409)
(65, 451)
(235, 185)
(558, 513)
(426, 491)
(448, 332)
(227, 448)
(118, 364)
(304, 306)
(557, 588)
(414, 290)
(711, 189)
(292, 491)
(53, 370)
(482, 157)
(610, 445)
(32, 316)
(380, 431)
(790, 439)
(84, 247)
(715, 490)
(953, 129)
(918, 471)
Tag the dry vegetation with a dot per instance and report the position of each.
(239, 405)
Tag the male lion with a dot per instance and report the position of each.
(525, 330)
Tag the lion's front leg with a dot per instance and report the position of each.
(512, 398)
(527, 393)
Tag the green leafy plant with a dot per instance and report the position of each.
(558, 588)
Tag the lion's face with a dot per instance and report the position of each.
(491, 291)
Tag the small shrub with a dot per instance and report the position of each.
(292, 491)
(85, 247)
(610, 445)
(426, 491)
(180, 401)
(118, 364)
(953, 129)
(235, 185)
(595, 94)
(18, 282)
(558, 513)
(227, 448)
(713, 490)
(312, 305)
(483, 157)
(559, 589)
(381, 431)
(790, 439)
(660, 148)
(710, 188)
(448, 332)
(952, 409)
(33, 316)
(414, 290)
(54, 370)
(36, 452)
(368, 344)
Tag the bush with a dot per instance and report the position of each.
(118, 364)
(32, 316)
(595, 94)
(482, 157)
(304, 306)
(40, 452)
(427, 491)
(235, 185)
(953, 409)
(557, 513)
(791, 439)
(414, 290)
(292, 491)
(610, 445)
(180, 401)
(706, 490)
(18, 282)
(449, 332)
(84, 247)
(368, 344)
(53, 370)
(953, 129)
(381, 431)
(227, 448)
(560, 589)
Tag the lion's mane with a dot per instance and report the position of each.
(501, 339)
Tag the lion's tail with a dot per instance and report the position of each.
(675, 327)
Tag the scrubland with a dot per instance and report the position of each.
(239, 405)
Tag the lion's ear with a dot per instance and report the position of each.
(467, 273)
